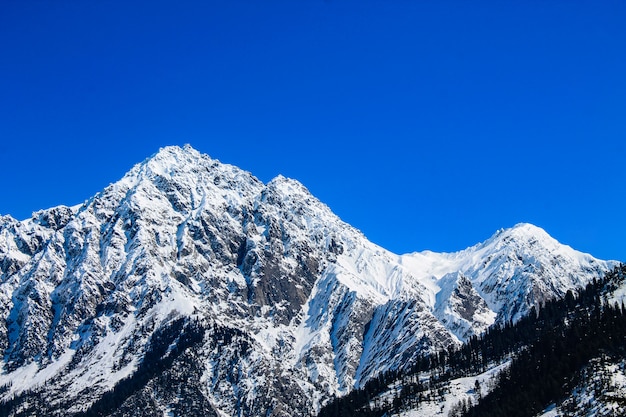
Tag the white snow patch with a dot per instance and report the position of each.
(460, 389)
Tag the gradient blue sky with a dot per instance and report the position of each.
(426, 124)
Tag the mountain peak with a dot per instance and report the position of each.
(525, 233)
(186, 149)
(172, 166)
(528, 229)
(288, 186)
(174, 157)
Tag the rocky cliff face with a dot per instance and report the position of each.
(191, 287)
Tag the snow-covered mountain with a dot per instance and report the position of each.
(190, 287)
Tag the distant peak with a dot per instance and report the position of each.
(287, 185)
(527, 229)
(176, 151)
(174, 158)
(522, 229)
(280, 179)
(527, 226)
(524, 234)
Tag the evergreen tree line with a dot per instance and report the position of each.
(558, 324)
(550, 368)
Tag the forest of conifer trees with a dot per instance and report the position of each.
(548, 350)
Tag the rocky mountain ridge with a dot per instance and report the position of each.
(295, 305)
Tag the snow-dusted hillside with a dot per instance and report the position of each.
(457, 394)
(603, 392)
(295, 306)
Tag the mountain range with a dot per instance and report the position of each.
(190, 287)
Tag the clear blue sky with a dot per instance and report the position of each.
(426, 124)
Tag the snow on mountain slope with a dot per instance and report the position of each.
(601, 394)
(293, 304)
(449, 401)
